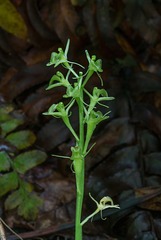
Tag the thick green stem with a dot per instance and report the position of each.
(79, 171)
(79, 202)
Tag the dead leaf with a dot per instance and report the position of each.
(152, 204)
(11, 20)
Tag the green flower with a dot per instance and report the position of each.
(61, 81)
(94, 65)
(76, 153)
(57, 110)
(73, 92)
(60, 57)
(95, 118)
(95, 98)
(105, 203)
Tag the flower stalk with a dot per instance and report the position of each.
(89, 118)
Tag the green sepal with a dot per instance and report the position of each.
(73, 92)
(59, 77)
(96, 117)
(76, 153)
(95, 98)
(60, 57)
(57, 58)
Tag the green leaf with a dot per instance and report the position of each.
(10, 125)
(28, 160)
(29, 207)
(8, 182)
(14, 200)
(4, 161)
(22, 139)
(11, 20)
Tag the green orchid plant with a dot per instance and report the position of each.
(89, 118)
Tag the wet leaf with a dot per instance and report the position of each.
(72, 18)
(127, 61)
(14, 200)
(11, 20)
(153, 181)
(140, 226)
(149, 141)
(50, 139)
(78, 2)
(136, 12)
(148, 115)
(157, 226)
(4, 161)
(144, 82)
(8, 182)
(21, 139)
(151, 204)
(29, 77)
(27, 160)
(37, 22)
(57, 20)
(89, 20)
(104, 21)
(153, 163)
(124, 158)
(29, 207)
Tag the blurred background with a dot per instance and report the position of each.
(125, 163)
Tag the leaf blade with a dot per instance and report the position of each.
(4, 161)
(21, 139)
(29, 207)
(13, 200)
(25, 161)
(11, 20)
(8, 182)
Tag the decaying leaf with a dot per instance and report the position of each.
(152, 204)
